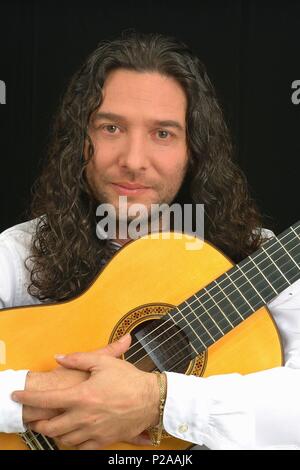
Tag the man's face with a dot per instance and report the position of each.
(139, 137)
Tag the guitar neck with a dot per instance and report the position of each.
(226, 302)
(35, 441)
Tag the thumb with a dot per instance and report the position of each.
(88, 360)
(117, 348)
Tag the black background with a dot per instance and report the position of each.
(251, 50)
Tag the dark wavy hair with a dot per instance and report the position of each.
(66, 253)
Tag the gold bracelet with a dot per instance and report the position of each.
(156, 431)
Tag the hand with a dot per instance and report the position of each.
(58, 378)
(117, 402)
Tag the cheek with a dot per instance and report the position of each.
(173, 168)
(100, 160)
(103, 150)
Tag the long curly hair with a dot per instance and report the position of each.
(66, 253)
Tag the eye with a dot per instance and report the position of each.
(110, 128)
(163, 134)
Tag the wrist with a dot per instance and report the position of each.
(156, 431)
(39, 381)
(154, 400)
(159, 395)
(31, 381)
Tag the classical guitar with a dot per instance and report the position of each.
(189, 311)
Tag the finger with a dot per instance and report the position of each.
(89, 445)
(36, 414)
(38, 426)
(56, 427)
(74, 438)
(88, 360)
(51, 399)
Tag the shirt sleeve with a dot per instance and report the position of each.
(10, 411)
(10, 380)
(253, 411)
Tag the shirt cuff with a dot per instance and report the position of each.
(11, 412)
(185, 415)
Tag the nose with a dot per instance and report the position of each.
(133, 155)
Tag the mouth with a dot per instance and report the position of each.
(129, 188)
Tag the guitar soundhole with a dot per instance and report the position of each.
(159, 345)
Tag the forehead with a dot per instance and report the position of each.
(143, 93)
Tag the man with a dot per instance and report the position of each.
(141, 119)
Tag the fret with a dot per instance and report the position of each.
(197, 318)
(211, 320)
(227, 284)
(229, 302)
(32, 441)
(288, 254)
(224, 300)
(283, 256)
(29, 444)
(212, 298)
(229, 315)
(200, 340)
(252, 284)
(295, 245)
(36, 441)
(242, 289)
(223, 304)
(277, 271)
(296, 229)
(214, 327)
(204, 341)
(188, 321)
(211, 315)
(255, 287)
(276, 266)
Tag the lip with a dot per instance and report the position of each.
(126, 185)
(129, 188)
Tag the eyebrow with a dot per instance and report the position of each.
(118, 117)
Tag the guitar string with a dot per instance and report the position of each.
(32, 440)
(231, 280)
(187, 347)
(179, 361)
(237, 289)
(203, 295)
(203, 314)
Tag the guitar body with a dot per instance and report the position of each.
(142, 281)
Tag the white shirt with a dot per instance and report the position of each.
(229, 411)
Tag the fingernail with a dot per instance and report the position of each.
(14, 397)
(59, 356)
(124, 338)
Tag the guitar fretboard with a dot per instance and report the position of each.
(218, 308)
(35, 441)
